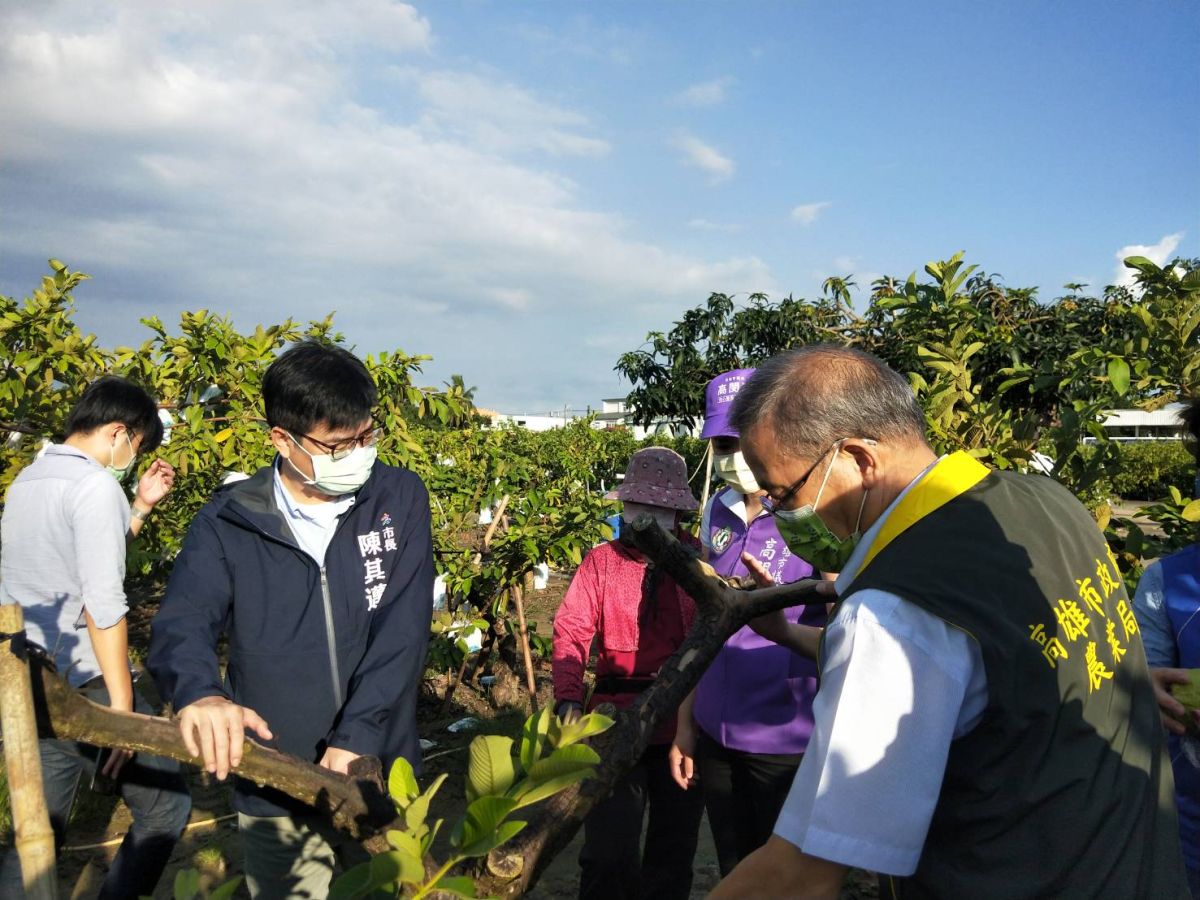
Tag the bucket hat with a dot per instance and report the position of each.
(656, 476)
(718, 402)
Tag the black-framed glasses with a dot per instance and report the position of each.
(773, 506)
(343, 448)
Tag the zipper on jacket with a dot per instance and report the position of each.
(331, 639)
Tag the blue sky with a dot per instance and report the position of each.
(523, 190)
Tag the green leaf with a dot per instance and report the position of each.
(402, 783)
(405, 842)
(551, 786)
(1191, 512)
(414, 815)
(479, 825)
(187, 884)
(490, 768)
(225, 891)
(1118, 375)
(533, 737)
(459, 885)
(1140, 263)
(586, 727)
(352, 884)
(562, 761)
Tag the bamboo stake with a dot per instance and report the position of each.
(31, 821)
(530, 683)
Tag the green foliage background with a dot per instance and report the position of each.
(1000, 374)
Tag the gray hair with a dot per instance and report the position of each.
(817, 395)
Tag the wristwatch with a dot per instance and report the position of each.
(137, 513)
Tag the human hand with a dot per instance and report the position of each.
(569, 711)
(156, 482)
(214, 728)
(338, 760)
(681, 758)
(115, 762)
(758, 571)
(1162, 679)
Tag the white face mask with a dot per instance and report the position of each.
(664, 517)
(338, 476)
(735, 471)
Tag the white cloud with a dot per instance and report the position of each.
(845, 263)
(230, 158)
(705, 93)
(1157, 253)
(807, 213)
(709, 225)
(499, 115)
(705, 157)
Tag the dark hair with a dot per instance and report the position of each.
(315, 383)
(112, 398)
(817, 395)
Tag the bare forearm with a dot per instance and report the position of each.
(780, 869)
(684, 717)
(111, 646)
(137, 521)
(804, 640)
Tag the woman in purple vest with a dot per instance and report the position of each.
(744, 729)
(1167, 606)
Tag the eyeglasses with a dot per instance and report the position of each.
(775, 506)
(343, 448)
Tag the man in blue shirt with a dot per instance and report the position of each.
(319, 571)
(62, 557)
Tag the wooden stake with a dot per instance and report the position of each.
(31, 821)
(523, 634)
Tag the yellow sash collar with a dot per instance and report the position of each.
(950, 476)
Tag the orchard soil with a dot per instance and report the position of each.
(211, 844)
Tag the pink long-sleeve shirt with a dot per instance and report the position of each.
(605, 601)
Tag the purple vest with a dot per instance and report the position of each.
(757, 696)
(1181, 594)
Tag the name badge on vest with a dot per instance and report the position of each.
(722, 539)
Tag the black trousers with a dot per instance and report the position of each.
(613, 865)
(743, 793)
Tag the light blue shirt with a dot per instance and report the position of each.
(312, 524)
(62, 549)
(898, 684)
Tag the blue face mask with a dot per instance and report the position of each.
(120, 472)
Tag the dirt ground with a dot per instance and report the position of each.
(211, 843)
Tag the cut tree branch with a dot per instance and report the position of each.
(720, 611)
(356, 804)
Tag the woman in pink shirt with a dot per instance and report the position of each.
(639, 616)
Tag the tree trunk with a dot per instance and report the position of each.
(31, 821)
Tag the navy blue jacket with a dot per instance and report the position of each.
(313, 651)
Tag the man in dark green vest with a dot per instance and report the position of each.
(985, 725)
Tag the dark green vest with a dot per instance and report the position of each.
(1063, 789)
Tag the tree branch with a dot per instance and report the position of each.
(357, 805)
(720, 611)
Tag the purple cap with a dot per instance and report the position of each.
(718, 401)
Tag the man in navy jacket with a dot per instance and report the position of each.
(319, 571)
